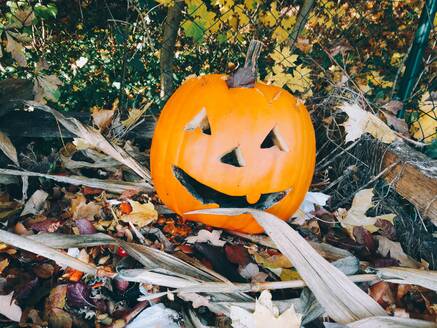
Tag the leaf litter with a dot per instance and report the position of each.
(118, 258)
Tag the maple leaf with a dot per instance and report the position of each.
(45, 87)
(265, 315)
(141, 215)
(361, 121)
(356, 215)
(16, 49)
(284, 57)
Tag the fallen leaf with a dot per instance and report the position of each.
(9, 308)
(272, 261)
(78, 295)
(85, 227)
(3, 265)
(361, 121)
(265, 315)
(393, 106)
(237, 254)
(45, 88)
(141, 215)
(308, 206)
(35, 203)
(382, 293)
(356, 215)
(16, 49)
(396, 123)
(248, 271)
(205, 236)
(81, 210)
(102, 118)
(8, 148)
(394, 249)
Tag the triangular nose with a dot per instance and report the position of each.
(234, 158)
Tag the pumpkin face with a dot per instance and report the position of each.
(216, 146)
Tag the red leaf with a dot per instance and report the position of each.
(237, 254)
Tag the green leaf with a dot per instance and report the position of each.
(45, 12)
(194, 30)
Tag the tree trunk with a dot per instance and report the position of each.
(301, 20)
(167, 54)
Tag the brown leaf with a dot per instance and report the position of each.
(102, 118)
(58, 318)
(393, 106)
(397, 123)
(8, 148)
(16, 49)
(394, 249)
(381, 292)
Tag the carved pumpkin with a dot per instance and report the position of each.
(216, 146)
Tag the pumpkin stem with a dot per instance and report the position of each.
(245, 76)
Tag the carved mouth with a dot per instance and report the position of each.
(208, 195)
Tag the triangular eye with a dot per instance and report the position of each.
(274, 138)
(234, 158)
(199, 121)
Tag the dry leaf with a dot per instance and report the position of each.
(307, 206)
(361, 121)
(16, 49)
(3, 265)
(342, 300)
(81, 210)
(356, 216)
(272, 261)
(8, 148)
(9, 308)
(96, 140)
(102, 118)
(35, 202)
(265, 315)
(141, 215)
(204, 236)
(394, 249)
(45, 87)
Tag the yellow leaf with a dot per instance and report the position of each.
(141, 215)
(375, 78)
(284, 57)
(272, 261)
(425, 128)
(288, 274)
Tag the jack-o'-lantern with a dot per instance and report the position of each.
(220, 144)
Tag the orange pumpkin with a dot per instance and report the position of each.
(216, 146)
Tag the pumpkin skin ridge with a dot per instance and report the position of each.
(180, 200)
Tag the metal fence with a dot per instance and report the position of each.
(310, 48)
